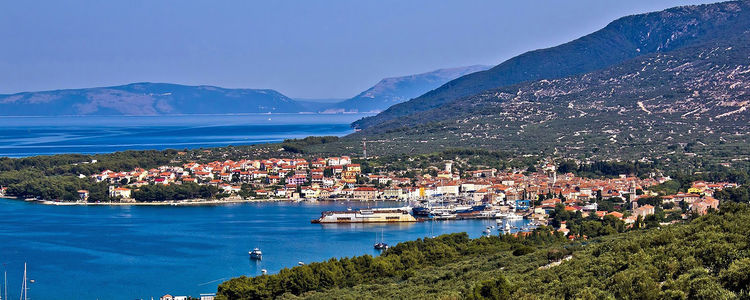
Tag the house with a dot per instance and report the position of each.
(296, 180)
(395, 193)
(550, 203)
(448, 189)
(616, 214)
(352, 170)
(334, 161)
(83, 195)
(644, 211)
(365, 193)
(119, 192)
(564, 228)
(687, 198)
(704, 205)
(207, 296)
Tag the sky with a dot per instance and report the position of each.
(303, 49)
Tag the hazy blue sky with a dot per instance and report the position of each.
(300, 48)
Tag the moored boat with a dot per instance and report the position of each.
(256, 254)
(380, 215)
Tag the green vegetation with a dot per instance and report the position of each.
(401, 263)
(150, 193)
(606, 168)
(297, 145)
(704, 259)
(58, 176)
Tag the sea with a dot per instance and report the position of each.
(29, 136)
(144, 252)
(139, 252)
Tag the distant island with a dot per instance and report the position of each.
(149, 99)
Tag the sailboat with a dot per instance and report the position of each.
(381, 245)
(24, 286)
(5, 283)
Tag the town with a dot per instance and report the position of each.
(533, 195)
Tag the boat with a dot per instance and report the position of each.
(381, 245)
(377, 215)
(24, 285)
(505, 229)
(508, 216)
(514, 217)
(421, 211)
(487, 231)
(470, 209)
(256, 254)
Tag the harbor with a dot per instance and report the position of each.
(185, 250)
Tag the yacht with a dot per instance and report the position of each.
(256, 254)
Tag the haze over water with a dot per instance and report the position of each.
(28, 136)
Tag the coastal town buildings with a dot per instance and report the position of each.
(537, 193)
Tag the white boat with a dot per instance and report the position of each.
(514, 217)
(256, 254)
(377, 215)
(508, 216)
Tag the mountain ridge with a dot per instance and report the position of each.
(144, 98)
(649, 106)
(622, 39)
(393, 90)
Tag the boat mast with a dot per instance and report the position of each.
(24, 287)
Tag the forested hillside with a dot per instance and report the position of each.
(705, 259)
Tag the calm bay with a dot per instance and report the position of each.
(132, 252)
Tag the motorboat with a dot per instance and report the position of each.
(256, 254)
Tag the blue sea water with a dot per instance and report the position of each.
(139, 252)
(28, 136)
(132, 252)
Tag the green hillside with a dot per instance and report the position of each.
(707, 258)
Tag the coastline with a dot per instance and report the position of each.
(189, 202)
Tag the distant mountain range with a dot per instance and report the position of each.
(165, 98)
(621, 40)
(146, 99)
(395, 90)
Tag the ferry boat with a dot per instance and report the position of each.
(378, 215)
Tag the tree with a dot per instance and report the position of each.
(496, 289)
